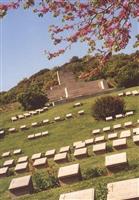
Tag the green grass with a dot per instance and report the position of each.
(61, 134)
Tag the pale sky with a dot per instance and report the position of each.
(24, 37)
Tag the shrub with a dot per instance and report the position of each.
(32, 99)
(132, 165)
(101, 191)
(109, 148)
(7, 97)
(108, 106)
(95, 172)
(44, 181)
(11, 172)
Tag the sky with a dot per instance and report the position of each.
(24, 37)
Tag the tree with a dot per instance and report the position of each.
(74, 59)
(87, 21)
(33, 98)
(108, 106)
(128, 77)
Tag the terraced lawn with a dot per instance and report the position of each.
(65, 133)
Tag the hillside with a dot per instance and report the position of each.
(86, 68)
(64, 133)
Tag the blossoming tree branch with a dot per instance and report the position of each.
(86, 21)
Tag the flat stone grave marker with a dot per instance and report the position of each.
(130, 113)
(23, 127)
(89, 141)
(117, 126)
(58, 118)
(100, 139)
(116, 162)
(105, 129)
(36, 156)
(6, 154)
(69, 174)
(30, 137)
(40, 163)
(21, 186)
(135, 92)
(109, 118)
(99, 148)
(127, 189)
(12, 130)
(37, 135)
(77, 104)
(118, 116)
(64, 149)
(34, 124)
(14, 119)
(22, 159)
(4, 172)
(76, 143)
(135, 131)
(22, 167)
(128, 124)
(128, 93)
(50, 153)
(120, 143)
(80, 145)
(96, 131)
(46, 121)
(44, 133)
(121, 94)
(69, 115)
(125, 134)
(81, 112)
(112, 136)
(21, 116)
(81, 153)
(87, 194)
(17, 151)
(61, 157)
(9, 163)
(27, 114)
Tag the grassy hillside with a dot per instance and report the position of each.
(118, 68)
(61, 134)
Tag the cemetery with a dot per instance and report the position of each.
(69, 100)
(71, 148)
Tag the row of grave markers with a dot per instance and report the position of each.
(80, 152)
(72, 173)
(120, 115)
(35, 112)
(115, 127)
(129, 93)
(80, 144)
(37, 124)
(46, 121)
(28, 114)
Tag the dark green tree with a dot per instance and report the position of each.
(33, 98)
(128, 77)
